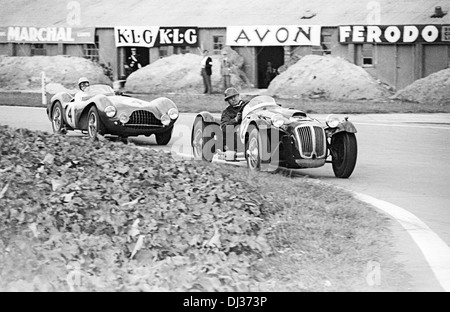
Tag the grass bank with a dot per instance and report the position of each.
(132, 219)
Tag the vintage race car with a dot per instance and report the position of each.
(101, 111)
(271, 136)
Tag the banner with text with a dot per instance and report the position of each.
(394, 34)
(273, 35)
(155, 36)
(47, 34)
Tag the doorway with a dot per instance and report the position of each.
(134, 58)
(274, 55)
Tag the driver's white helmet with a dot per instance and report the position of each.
(81, 80)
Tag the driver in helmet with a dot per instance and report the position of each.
(232, 116)
(83, 83)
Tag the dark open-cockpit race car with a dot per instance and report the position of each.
(271, 136)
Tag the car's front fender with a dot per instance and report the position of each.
(343, 126)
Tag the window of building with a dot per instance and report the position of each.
(163, 51)
(218, 43)
(91, 51)
(38, 49)
(325, 45)
(367, 55)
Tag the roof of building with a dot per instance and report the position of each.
(221, 13)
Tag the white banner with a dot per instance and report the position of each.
(289, 35)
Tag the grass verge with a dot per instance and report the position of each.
(131, 219)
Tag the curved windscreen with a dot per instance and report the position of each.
(258, 102)
(98, 89)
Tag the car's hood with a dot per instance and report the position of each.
(158, 106)
(278, 110)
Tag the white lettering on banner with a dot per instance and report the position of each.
(33, 34)
(373, 34)
(154, 36)
(391, 34)
(430, 33)
(358, 34)
(190, 36)
(288, 35)
(410, 34)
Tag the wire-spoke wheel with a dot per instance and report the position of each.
(57, 119)
(95, 127)
(253, 149)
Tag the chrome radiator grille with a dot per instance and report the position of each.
(141, 119)
(311, 141)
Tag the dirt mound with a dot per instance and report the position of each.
(434, 88)
(24, 73)
(181, 72)
(326, 77)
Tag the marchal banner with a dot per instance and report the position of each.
(154, 36)
(290, 35)
(47, 34)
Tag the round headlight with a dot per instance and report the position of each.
(332, 121)
(110, 111)
(165, 120)
(124, 118)
(173, 113)
(278, 121)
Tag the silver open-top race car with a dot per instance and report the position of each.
(101, 111)
(271, 136)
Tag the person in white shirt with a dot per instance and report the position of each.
(83, 83)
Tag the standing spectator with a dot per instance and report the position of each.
(133, 62)
(270, 73)
(225, 70)
(207, 72)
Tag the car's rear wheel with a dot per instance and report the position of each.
(163, 138)
(201, 146)
(95, 126)
(58, 119)
(253, 149)
(344, 150)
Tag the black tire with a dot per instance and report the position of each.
(163, 138)
(199, 142)
(58, 119)
(95, 126)
(253, 149)
(344, 150)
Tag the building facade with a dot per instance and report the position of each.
(409, 43)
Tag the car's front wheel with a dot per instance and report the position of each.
(202, 145)
(344, 150)
(253, 149)
(163, 138)
(58, 119)
(95, 126)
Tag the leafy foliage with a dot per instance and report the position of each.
(125, 219)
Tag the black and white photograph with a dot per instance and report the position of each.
(225, 154)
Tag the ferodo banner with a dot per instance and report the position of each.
(47, 34)
(394, 34)
(155, 36)
(290, 35)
